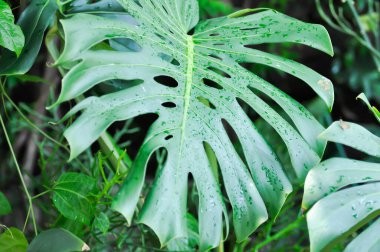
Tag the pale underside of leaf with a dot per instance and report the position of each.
(164, 48)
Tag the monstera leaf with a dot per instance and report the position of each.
(345, 193)
(189, 73)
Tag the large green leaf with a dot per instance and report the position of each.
(197, 99)
(57, 240)
(72, 196)
(11, 36)
(33, 21)
(344, 193)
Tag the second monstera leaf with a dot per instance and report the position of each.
(189, 73)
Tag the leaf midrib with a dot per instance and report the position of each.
(187, 93)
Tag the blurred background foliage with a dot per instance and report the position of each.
(354, 29)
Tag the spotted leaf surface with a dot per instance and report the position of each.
(344, 194)
(189, 73)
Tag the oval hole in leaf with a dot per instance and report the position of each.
(169, 105)
(220, 72)
(249, 28)
(206, 102)
(166, 81)
(169, 137)
(138, 3)
(211, 83)
(214, 34)
(215, 57)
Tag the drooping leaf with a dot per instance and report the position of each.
(194, 83)
(373, 109)
(57, 240)
(13, 240)
(33, 21)
(344, 194)
(11, 36)
(72, 196)
(5, 207)
(344, 133)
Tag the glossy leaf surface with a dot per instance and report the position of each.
(194, 83)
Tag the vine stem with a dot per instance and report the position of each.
(280, 234)
(20, 175)
(31, 123)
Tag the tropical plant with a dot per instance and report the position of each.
(190, 73)
(342, 195)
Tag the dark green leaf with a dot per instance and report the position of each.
(34, 21)
(57, 240)
(72, 198)
(5, 207)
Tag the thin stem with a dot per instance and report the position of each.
(283, 232)
(363, 32)
(41, 194)
(20, 175)
(31, 123)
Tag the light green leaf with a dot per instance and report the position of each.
(189, 243)
(344, 193)
(13, 240)
(57, 240)
(34, 21)
(102, 222)
(72, 198)
(369, 238)
(353, 135)
(373, 109)
(11, 36)
(5, 207)
(203, 85)
(342, 213)
(335, 174)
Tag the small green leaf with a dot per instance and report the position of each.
(11, 36)
(5, 207)
(57, 240)
(102, 222)
(374, 110)
(13, 240)
(72, 196)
